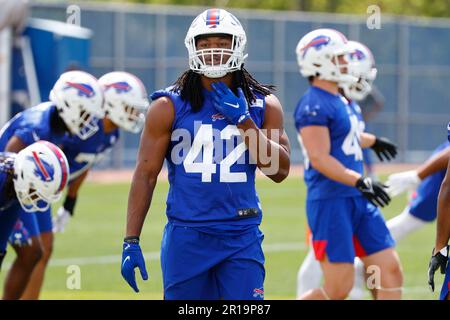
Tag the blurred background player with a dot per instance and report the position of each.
(213, 216)
(341, 204)
(425, 181)
(76, 101)
(30, 181)
(124, 105)
(362, 66)
(439, 258)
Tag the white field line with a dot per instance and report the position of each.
(155, 255)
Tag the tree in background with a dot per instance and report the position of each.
(432, 8)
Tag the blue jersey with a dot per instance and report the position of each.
(83, 154)
(7, 193)
(318, 107)
(212, 181)
(32, 125)
(423, 204)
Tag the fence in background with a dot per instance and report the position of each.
(412, 58)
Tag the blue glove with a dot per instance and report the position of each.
(131, 258)
(19, 236)
(235, 109)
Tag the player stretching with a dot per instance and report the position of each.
(76, 101)
(203, 126)
(125, 103)
(31, 180)
(439, 258)
(341, 203)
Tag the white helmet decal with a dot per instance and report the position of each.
(126, 100)
(79, 99)
(41, 173)
(215, 22)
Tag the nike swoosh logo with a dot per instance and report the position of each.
(126, 259)
(232, 105)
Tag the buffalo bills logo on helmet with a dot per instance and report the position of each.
(357, 55)
(317, 43)
(121, 87)
(43, 169)
(83, 89)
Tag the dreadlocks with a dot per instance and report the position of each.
(190, 87)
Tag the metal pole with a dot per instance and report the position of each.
(5, 75)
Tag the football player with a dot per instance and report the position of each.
(341, 203)
(362, 66)
(30, 181)
(124, 106)
(214, 127)
(439, 258)
(76, 104)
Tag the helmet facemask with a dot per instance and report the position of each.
(216, 62)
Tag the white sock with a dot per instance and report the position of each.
(309, 275)
(358, 290)
(404, 224)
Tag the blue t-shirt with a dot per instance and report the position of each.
(83, 154)
(212, 181)
(31, 125)
(318, 107)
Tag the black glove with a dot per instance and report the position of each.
(373, 191)
(383, 147)
(437, 260)
(69, 204)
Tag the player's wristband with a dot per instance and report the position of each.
(69, 204)
(131, 239)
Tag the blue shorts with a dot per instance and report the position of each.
(345, 228)
(8, 219)
(446, 285)
(201, 265)
(36, 222)
(423, 204)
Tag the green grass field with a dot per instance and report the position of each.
(93, 240)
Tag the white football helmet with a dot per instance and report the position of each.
(78, 98)
(210, 22)
(126, 100)
(362, 66)
(41, 173)
(318, 52)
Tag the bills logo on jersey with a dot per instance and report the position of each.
(43, 169)
(217, 116)
(121, 87)
(258, 292)
(316, 43)
(84, 90)
(213, 18)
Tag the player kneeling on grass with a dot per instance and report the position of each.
(341, 203)
(214, 127)
(29, 181)
(75, 104)
(125, 105)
